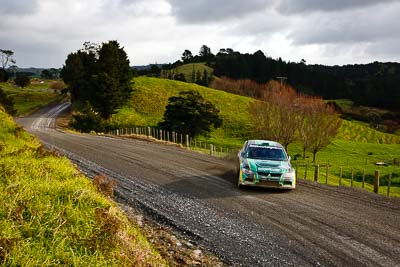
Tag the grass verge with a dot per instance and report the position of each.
(52, 215)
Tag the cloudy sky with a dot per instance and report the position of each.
(43, 32)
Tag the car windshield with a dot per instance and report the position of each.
(266, 153)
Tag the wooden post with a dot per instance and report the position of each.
(327, 173)
(195, 143)
(340, 176)
(148, 131)
(389, 184)
(117, 132)
(352, 177)
(161, 135)
(181, 139)
(316, 173)
(363, 179)
(376, 184)
(211, 149)
(187, 140)
(305, 173)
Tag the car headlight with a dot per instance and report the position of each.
(247, 171)
(290, 174)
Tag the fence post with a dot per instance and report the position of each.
(160, 135)
(363, 179)
(211, 149)
(340, 175)
(305, 173)
(187, 140)
(376, 184)
(352, 177)
(316, 173)
(148, 131)
(389, 184)
(327, 173)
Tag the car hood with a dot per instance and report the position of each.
(257, 165)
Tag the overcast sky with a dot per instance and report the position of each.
(43, 32)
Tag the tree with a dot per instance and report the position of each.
(3, 75)
(6, 58)
(193, 78)
(187, 56)
(22, 80)
(46, 74)
(205, 79)
(276, 117)
(205, 54)
(319, 125)
(7, 102)
(189, 113)
(100, 75)
(88, 120)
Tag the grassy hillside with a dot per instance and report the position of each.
(187, 70)
(51, 215)
(31, 98)
(151, 95)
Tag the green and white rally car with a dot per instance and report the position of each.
(265, 163)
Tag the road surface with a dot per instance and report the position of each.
(314, 225)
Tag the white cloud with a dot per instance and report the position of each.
(329, 32)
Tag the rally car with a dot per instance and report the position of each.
(266, 164)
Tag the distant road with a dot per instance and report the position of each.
(314, 225)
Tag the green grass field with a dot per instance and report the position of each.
(51, 215)
(31, 98)
(187, 70)
(356, 146)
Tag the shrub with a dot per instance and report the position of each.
(7, 103)
(22, 80)
(88, 120)
(58, 85)
(189, 113)
(3, 75)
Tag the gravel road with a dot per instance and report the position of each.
(314, 225)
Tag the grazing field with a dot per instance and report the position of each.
(33, 97)
(188, 69)
(52, 215)
(356, 145)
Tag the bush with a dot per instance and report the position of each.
(7, 103)
(189, 113)
(3, 75)
(59, 85)
(88, 120)
(22, 80)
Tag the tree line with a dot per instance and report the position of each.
(375, 84)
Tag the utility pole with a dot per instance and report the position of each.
(282, 79)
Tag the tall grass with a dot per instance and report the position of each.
(51, 215)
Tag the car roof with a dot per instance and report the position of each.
(264, 143)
